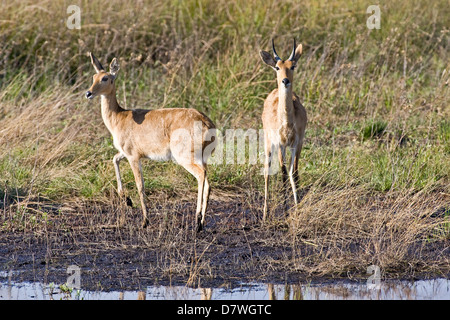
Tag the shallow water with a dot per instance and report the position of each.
(338, 290)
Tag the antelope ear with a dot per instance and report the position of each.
(267, 58)
(114, 67)
(298, 52)
(97, 65)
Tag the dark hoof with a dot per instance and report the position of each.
(145, 223)
(199, 226)
(129, 203)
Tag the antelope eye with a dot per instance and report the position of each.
(105, 78)
(276, 68)
(293, 67)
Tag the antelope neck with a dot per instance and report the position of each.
(285, 105)
(110, 108)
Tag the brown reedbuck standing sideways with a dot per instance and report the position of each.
(284, 120)
(163, 134)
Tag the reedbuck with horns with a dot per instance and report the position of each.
(162, 134)
(284, 120)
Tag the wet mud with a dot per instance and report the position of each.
(114, 253)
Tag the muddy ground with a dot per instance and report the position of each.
(115, 253)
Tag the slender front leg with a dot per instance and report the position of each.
(266, 185)
(292, 169)
(116, 160)
(267, 167)
(137, 171)
(282, 159)
(296, 159)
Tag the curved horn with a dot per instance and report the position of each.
(291, 58)
(275, 55)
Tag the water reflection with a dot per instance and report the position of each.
(339, 290)
(388, 290)
(291, 292)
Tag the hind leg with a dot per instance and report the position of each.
(199, 173)
(206, 191)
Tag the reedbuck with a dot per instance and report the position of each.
(284, 120)
(163, 134)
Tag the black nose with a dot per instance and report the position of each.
(88, 94)
(285, 81)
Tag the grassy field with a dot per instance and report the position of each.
(375, 168)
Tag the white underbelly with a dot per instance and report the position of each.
(166, 156)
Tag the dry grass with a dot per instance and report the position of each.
(350, 228)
